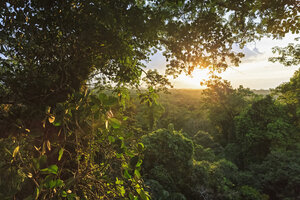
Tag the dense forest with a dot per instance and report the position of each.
(223, 143)
(81, 116)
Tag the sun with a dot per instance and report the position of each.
(193, 81)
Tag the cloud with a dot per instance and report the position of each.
(254, 55)
(158, 61)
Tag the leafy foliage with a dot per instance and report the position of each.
(290, 55)
(79, 151)
(62, 136)
(224, 103)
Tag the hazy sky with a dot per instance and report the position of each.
(255, 71)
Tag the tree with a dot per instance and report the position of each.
(153, 110)
(51, 48)
(260, 129)
(223, 104)
(289, 95)
(168, 159)
(289, 55)
(82, 149)
(279, 174)
(52, 51)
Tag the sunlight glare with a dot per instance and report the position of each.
(193, 81)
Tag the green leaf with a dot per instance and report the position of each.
(122, 190)
(126, 174)
(56, 123)
(64, 194)
(139, 163)
(59, 183)
(137, 174)
(111, 139)
(60, 153)
(119, 182)
(143, 195)
(114, 123)
(140, 147)
(51, 183)
(131, 197)
(52, 169)
(37, 193)
(129, 153)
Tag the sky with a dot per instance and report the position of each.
(255, 71)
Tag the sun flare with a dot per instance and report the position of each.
(193, 81)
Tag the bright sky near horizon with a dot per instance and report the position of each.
(255, 71)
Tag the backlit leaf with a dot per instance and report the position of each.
(16, 151)
(60, 153)
(51, 119)
(48, 145)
